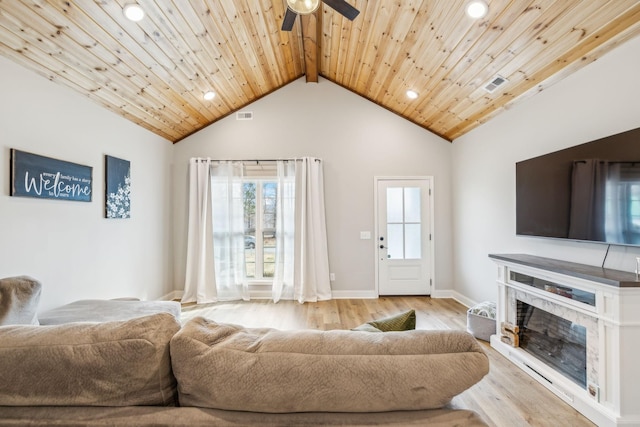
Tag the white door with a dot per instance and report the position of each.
(404, 245)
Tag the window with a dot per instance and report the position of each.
(255, 240)
(259, 198)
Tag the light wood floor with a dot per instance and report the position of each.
(506, 397)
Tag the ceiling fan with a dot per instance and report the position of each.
(305, 7)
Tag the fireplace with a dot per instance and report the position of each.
(574, 328)
(558, 342)
(564, 337)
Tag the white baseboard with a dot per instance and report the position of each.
(260, 293)
(447, 293)
(266, 294)
(354, 294)
(371, 294)
(450, 293)
(171, 296)
(467, 302)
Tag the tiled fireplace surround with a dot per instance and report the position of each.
(605, 303)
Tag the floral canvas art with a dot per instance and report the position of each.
(118, 188)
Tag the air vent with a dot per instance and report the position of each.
(244, 115)
(495, 84)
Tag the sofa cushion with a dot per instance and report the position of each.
(265, 370)
(88, 364)
(19, 297)
(96, 310)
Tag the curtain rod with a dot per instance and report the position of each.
(256, 161)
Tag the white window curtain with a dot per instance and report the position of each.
(302, 260)
(228, 231)
(200, 283)
(215, 268)
(215, 242)
(285, 231)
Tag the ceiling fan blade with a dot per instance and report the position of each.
(289, 19)
(343, 8)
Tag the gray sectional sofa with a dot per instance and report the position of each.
(150, 370)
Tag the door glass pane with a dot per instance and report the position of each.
(413, 239)
(412, 204)
(394, 204)
(395, 241)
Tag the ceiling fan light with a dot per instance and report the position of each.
(477, 9)
(412, 94)
(209, 95)
(133, 12)
(303, 7)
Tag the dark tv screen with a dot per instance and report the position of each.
(589, 192)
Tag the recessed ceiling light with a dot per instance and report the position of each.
(412, 94)
(133, 12)
(477, 9)
(209, 95)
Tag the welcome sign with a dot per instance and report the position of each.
(43, 177)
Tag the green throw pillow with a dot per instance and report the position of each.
(399, 322)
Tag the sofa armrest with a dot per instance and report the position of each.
(95, 310)
(88, 364)
(19, 297)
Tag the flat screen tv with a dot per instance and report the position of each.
(589, 192)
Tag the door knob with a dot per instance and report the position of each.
(381, 246)
(381, 238)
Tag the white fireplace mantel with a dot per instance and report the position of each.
(612, 393)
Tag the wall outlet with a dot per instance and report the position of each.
(332, 276)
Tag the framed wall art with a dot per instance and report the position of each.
(118, 188)
(42, 177)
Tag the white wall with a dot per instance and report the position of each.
(69, 246)
(601, 99)
(357, 140)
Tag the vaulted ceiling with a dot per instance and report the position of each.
(155, 72)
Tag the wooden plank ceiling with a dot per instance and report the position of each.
(156, 71)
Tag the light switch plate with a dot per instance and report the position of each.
(365, 235)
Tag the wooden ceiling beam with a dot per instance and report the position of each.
(311, 36)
